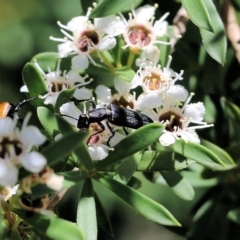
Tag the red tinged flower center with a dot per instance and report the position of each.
(139, 35)
(87, 40)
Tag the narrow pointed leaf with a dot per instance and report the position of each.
(73, 177)
(127, 168)
(152, 161)
(34, 80)
(234, 215)
(164, 50)
(215, 42)
(63, 147)
(231, 110)
(164, 160)
(198, 153)
(234, 151)
(141, 203)
(86, 212)
(198, 13)
(180, 186)
(135, 183)
(131, 144)
(223, 155)
(52, 227)
(102, 217)
(48, 120)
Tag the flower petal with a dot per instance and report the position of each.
(103, 93)
(178, 92)
(33, 162)
(107, 43)
(80, 62)
(145, 12)
(24, 89)
(71, 110)
(167, 139)
(121, 86)
(32, 136)
(83, 94)
(6, 125)
(97, 152)
(64, 49)
(8, 173)
(195, 110)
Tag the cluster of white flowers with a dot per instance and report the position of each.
(162, 99)
(15, 150)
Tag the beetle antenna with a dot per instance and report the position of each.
(63, 115)
(23, 102)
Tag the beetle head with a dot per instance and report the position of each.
(83, 121)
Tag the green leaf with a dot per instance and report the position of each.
(73, 177)
(130, 145)
(196, 179)
(34, 80)
(106, 7)
(234, 215)
(15, 236)
(142, 204)
(234, 151)
(180, 186)
(215, 42)
(164, 50)
(48, 120)
(102, 217)
(164, 160)
(152, 161)
(199, 13)
(223, 155)
(86, 212)
(63, 147)
(46, 60)
(81, 151)
(135, 183)
(124, 73)
(52, 227)
(198, 153)
(127, 168)
(231, 110)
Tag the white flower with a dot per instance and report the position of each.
(46, 176)
(122, 98)
(177, 120)
(157, 83)
(140, 31)
(100, 136)
(14, 149)
(8, 192)
(56, 82)
(86, 38)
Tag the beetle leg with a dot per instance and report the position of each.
(91, 100)
(102, 129)
(112, 131)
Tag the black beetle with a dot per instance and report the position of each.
(113, 114)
